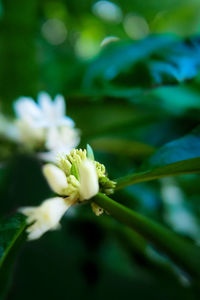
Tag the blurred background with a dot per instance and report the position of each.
(129, 71)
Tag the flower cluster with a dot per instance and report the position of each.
(76, 178)
(43, 125)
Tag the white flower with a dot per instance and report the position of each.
(45, 114)
(63, 139)
(30, 135)
(77, 178)
(44, 125)
(85, 188)
(45, 217)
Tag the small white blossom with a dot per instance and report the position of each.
(76, 178)
(44, 125)
(83, 189)
(45, 114)
(45, 217)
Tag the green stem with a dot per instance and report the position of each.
(182, 252)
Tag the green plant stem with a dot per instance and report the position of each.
(184, 254)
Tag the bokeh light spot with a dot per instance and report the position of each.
(54, 31)
(135, 26)
(107, 11)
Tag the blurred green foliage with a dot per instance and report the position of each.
(137, 94)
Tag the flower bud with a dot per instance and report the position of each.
(56, 178)
(89, 185)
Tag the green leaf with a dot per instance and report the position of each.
(184, 253)
(178, 157)
(189, 166)
(184, 148)
(176, 99)
(155, 60)
(12, 236)
(122, 147)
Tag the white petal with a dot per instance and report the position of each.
(63, 139)
(51, 156)
(53, 138)
(27, 109)
(56, 178)
(30, 135)
(59, 106)
(66, 121)
(45, 102)
(89, 185)
(48, 110)
(46, 216)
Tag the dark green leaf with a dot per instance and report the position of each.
(154, 60)
(178, 157)
(12, 235)
(189, 166)
(185, 148)
(122, 147)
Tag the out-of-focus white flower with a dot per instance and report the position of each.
(59, 141)
(45, 125)
(29, 135)
(63, 139)
(45, 217)
(45, 114)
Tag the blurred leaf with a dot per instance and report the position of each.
(122, 147)
(175, 158)
(12, 235)
(176, 99)
(1, 9)
(181, 149)
(158, 59)
(188, 166)
(182, 20)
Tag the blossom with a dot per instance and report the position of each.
(44, 125)
(81, 187)
(76, 178)
(45, 217)
(45, 114)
